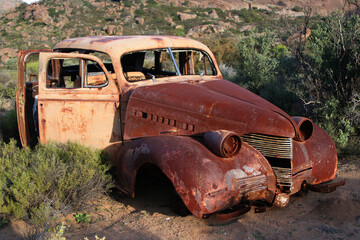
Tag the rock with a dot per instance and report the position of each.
(110, 29)
(218, 28)
(186, 16)
(247, 28)
(194, 35)
(131, 209)
(140, 21)
(170, 21)
(18, 28)
(12, 16)
(8, 51)
(38, 13)
(213, 14)
(67, 8)
(23, 34)
(44, 38)
(68, 33)
(4, 59)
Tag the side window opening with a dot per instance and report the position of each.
(74, 73)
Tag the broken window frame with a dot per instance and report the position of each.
(82, 58)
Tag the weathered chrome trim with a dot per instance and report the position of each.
(270, 146)
(249, 184)
(284, 176)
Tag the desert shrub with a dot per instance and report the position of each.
(228, 72)
(180, 32)
(257, 64)
(330, 116)
(152, 2)
(8, 126)
(224, 49)
(267, 69)
(297, 9)
(331, 68)
(54, 178)
(249, 16)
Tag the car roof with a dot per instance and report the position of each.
(117, 45)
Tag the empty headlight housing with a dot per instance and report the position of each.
(223, 143)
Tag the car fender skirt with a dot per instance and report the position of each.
(205, 182)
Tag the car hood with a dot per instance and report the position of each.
(193, 107)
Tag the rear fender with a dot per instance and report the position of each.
(206, 183)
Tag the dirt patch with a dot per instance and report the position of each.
(334, 215)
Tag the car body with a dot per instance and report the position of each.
(162, 101)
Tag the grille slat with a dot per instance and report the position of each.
(270, 146)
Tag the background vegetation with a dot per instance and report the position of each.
(320, 74)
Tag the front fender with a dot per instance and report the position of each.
(206, 183)
(318, 154)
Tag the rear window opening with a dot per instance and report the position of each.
(74, 73)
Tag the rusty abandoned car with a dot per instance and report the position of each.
(161, 101)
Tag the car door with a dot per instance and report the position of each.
(78, 101)
(27, 81)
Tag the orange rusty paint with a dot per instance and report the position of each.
(163, 121)
(21, 96)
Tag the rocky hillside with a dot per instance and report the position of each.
(43, 24)
(321, 7)
(5, 5)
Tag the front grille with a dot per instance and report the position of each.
(270, 146)
(283, 176)
(278, 151)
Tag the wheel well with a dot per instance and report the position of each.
(151, 180)
(153, 186)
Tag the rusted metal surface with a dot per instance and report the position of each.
(234, 213)
(326, 187)
(219, 144)
(205, 182)
(21, 96)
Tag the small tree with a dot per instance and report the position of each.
(257, 65)
(330, 62)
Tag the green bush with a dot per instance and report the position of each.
(151, 3)
(180, 32)
(257, 64)
(331, 117)
(54, 178)
(8, 126)
(297, 9)
(331, 67)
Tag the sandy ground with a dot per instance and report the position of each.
(334, 215)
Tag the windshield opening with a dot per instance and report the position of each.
(158, 63)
